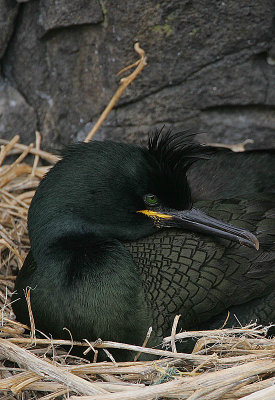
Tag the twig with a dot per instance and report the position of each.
(18, 387)
(128, 67)
(27, 294)
(21, 356)
(257, 331)
(144, 344)
(164, 353)
(8, 277)
(43, 154)
(17, 161)
(14, 198)
(37, 147)
(109, 355)
(44, 342)
(195, 358)
(264, 394)
(226, 320)
(252, 388)
(16, 171)
(55, 394)
(180, 388)
(124, 82)
(210, 394)
(236, 148)
(5, 149)
(13, 250)
(173, 333)
(89, 349)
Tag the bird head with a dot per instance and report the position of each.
(109, 190)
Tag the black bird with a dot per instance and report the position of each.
(112, 251)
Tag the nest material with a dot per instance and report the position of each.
(225, 364)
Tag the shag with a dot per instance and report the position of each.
(117, 245)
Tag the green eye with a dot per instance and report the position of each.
(151, 200)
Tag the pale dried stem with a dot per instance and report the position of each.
(16, 199)
(13, 250)
(27, 293)
(128, 67)
(16, 171)
(236, 148)
(252, 388)
(256, 331)
(195, 358)
(124, 82)
(43, 154)
(18, 387)
(43, 368)
(6, 149)
(44, 342)
(173, 333)
(8, 277)
(55, 395)
(30, 381)
(17, 161)
(144, 344)
(181, 387)
(264, 394)
(37, 148)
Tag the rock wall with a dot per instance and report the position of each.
(211, 68)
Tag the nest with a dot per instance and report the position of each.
(225, 364)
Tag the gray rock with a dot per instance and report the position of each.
(8, 12)
(16, 116)
(63, 13)
(243, 123)
(229, 103)
(208, 68)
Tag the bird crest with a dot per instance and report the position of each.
(176, 151)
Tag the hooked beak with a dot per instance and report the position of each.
(198, 221)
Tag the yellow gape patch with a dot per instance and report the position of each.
(156, 216)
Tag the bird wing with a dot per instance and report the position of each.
(231, 175)
(199, 276)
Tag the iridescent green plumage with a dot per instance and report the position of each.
(101, 267)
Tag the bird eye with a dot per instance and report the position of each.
(151, 200)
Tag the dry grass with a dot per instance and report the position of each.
(225, 364)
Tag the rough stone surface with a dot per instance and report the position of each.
(63, 13)
(209, 68)
(17, 117)
(8, 12)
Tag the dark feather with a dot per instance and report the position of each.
(176, 150)
(175, 153)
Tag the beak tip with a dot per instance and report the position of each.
(251, 241)
(254, 240)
